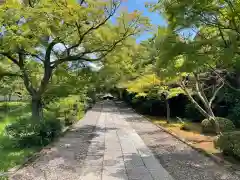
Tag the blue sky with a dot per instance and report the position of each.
(139, 5)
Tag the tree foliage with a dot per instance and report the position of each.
(39, 36)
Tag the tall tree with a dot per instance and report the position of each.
(51, 33)
(188, 62)
(206, 35)
(213, 25)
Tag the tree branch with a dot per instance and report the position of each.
(82, 1)
(33, 55)
(223, 79)
(47, 67)
(199, 92)
(81, 37)
(215, 94)
(83, 57)
(25, 76)
(202, 111)
(49, 50)
(14, 60)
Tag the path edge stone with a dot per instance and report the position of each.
(220, 161)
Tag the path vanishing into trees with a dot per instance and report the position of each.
(114, 143)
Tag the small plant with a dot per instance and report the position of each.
(68, 109)
(27, 132)
(229, 143)
(184, 126)
(208, 126)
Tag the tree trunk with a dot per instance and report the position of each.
(198, 107)
(37, 109)
(120, 94)
(168, 111)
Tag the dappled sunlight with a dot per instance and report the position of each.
(179, 159)
(10, 155)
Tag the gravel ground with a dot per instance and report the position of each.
(180, 160)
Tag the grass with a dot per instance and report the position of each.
(11, 156)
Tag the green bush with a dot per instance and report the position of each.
(208, 126)
(192, 113)
(234, 114)
(27, 132)
(229, 143)
(69, 109)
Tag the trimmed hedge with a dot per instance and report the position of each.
(208, 126)
(229, 143)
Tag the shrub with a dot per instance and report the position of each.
(234, 114)
(192, 113)
(225, 124)
(208, 126)
(72, 117)
(27, 132)
(49, 130)
(68, 108)
(229, 143)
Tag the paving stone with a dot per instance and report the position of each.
(113, 160)
(93, 161)
(177, 159)
(151, 163)
(139, 173)
(96, 149)
(103, 146)
(111, 173)
(128, 147)
(116, 153)
(132, 160)
(91, 173)
(112, 146)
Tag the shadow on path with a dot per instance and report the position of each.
(180, 160)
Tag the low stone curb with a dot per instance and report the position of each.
(234, 168)
(34, 156)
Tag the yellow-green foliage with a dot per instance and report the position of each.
(69, 108)
(142, 83)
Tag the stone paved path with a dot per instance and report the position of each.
(106, 145)
(180, 160)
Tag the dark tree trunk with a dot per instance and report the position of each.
(168, 110)
(37, 109)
